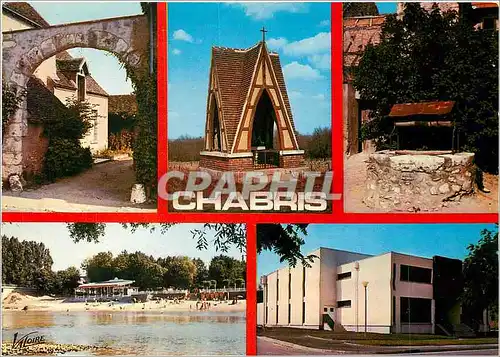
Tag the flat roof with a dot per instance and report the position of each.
(108, 283)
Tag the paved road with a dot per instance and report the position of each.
(267, 346)
(492, 352)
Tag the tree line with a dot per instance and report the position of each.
(317, 145)
(180, 272)
(29, 264)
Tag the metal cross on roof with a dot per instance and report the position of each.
(263, 30)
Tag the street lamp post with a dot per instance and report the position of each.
(365, 285)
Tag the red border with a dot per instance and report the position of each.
(337, 216)
(162, 80)
(251, 284)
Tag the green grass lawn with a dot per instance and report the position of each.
(332, 340)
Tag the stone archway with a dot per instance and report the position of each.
(25, 50)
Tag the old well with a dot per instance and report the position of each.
(409, 180)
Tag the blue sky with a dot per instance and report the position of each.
(299, 32)
(426, 240)
(386, 7)
(103, 66)
(177, 241)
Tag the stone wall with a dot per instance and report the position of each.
(413, 181)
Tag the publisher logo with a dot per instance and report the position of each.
(29, 339)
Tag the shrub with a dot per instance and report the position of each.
(65, 157)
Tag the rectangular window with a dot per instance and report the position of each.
(303, 312)
(394, 270)
(415, 310)
(343, 276)
(276, 314)
(394, 311)
(95, 129)
(277, 289)
(267, 311)
(289, 313)
(344, 303)
(325, 309)
(416, 274)
(289, 286)
(331, 309)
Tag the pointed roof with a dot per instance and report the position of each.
(234, 69)
(26, 12)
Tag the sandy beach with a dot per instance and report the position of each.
(16, 301)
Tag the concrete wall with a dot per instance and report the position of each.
(377, 272)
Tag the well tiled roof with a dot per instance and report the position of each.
(27, 11)
(423, 108)
(123, 103)
(63, 81)
(93, 87)
(234, 69)
(40, 99)
(358, 33)
(483, 5)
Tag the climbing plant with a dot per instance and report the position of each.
(10, 103)
(144, 84)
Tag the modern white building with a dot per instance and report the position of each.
(388, 293)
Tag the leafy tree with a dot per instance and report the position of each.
(201, 272)
(352, 9)
(100, 267)
(226, 269)
(481, 276)
(65, 281)
(320, 144)
(181, 272)
(284, 240)
(428, 56)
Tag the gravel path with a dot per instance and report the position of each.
(103, 188)
(354, 186)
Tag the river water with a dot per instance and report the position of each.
(135, 333)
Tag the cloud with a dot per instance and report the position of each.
(182, 35)
(324, 23)
(319, 96)
(176, 51)
(277, 43)
(296, 70)
(263, 11)
(294, 94)
(321, 61)
(312, 45)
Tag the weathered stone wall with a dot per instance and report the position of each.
(25, 50)
(417, 181)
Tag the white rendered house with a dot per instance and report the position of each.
(400, 293)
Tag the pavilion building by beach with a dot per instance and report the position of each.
(110, 288)
(387, 293)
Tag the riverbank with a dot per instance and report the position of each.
(16, 301)
(48, 348)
